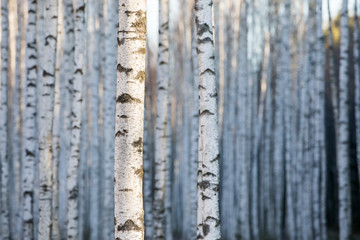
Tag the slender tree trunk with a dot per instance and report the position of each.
(208, 171)
(357, 82)
(343, 129)
(76, 120)
(5, 205)
(108, 114)
(161, 134)
(129, 121)
(46, 121)
(194, 135)
(94, 73)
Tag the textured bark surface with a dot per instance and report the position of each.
(161, 134)
(46, 112)
(129, 121)
(4, 160)
(343, 129)
(208, 226)
(76, 120)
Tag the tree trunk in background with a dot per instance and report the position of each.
(161, 134)
(129, 121)
(242, 156)
(5, 204)
(343, 129)
(94, 73)
(357, 83)
(76, 123)
(109, 82)
(46, 121)
(208, 226)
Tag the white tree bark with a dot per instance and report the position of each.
(5, 204)
(208, 168)
(46, 121)
(343, 129)
(129, 122)
(109, 82)
(161, 134)
(76, 113)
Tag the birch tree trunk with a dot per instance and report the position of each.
(5, 204)
(161, 134)
(109, 81)
(208, 226)
(46, 121)
(76, 120)
(343, 129)
(129, 123)
(65, 118)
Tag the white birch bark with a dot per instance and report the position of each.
(4, 160)
(55, 234)
(65, 114)
(46, 121)
(161, 134)
(129, 123)
(109, 82)
(343, 129)
(208, 171)
(73, 225)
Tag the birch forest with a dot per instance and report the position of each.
(180, 120)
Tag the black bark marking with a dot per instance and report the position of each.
(204, 184)
(206, 112)
(73, 193)
(129, 225)
(125, 190)
(204, 197)
(216, 158)
(205, 40)
(139, 172)
(79, 70)
(124, 116)
(138, 144)
(120, 41)
(123, 69)
(81, 8)
(203, 28)
(126, 98)
(121, 133)
(45, 73)
(209, 174)
(206, 229)
(29, 153)
(162, 63)
(208, 70)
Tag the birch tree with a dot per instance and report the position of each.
(343, 129)
(46, 121)
(357, 82)
(129, 121)
(161, 134)
(76, 120)
(30, 127)
(5, 205)
(208, 223)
